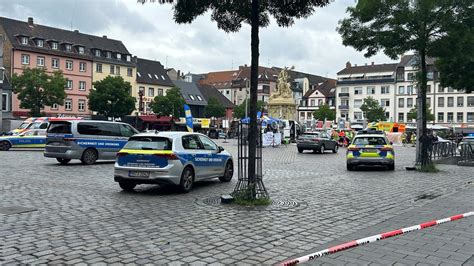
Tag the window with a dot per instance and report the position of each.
(411, 76)
(82, 67)
(119, 56)
(470, 117)
(54, 45)
(69, 84)
(460, 101)
(81, 105)
(5, 102)
(112, 70)
(370, 90)
(313, 102)
(428, 88)
(410, 90)
(357, 103)
(385, 102)
(68, 47)
(129, 58)
(385, 89)
(68, 64)
(40, 61)
(440, 117)
(429, 75)
(401, 89)
(98, 68)
(24, 40)
(357, 90)
(97, 53)
(409, 102)
(428, 102)
(160, 92)
(358, 115)
(450, 89)
(450, 101)
(191, 142)
(109, 55)
(199, 97)
(470, 101)
(80, 49)
(82, 85)
(208, 144)
(25, 59)
(401, 102)
(40, 43)
(127, 131)
(163, 78)
(99, 129)
(68, 104)
(440, 101)
(440, 88)
(345, 103)
(345, 90)
(151, 92)
(117, 70)
(459, 117)
(401, 117)
(55, 63)
(450, 117)
(320, 102)
(55, 106)
(192, 97)
(138, 74)
(130, 72)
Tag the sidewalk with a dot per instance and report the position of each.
(450, 243)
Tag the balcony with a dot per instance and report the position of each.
(343, 94)
(343, 107)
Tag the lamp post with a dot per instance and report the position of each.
(141, 92)
(2, 71)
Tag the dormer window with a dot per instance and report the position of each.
(97, 53)
(129, 58)
(119, 56)
(109, 55)
(68, 47)
(24, 40)
(54, 45)
(80, 49)
(40, 43)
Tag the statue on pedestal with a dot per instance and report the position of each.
(281, 103)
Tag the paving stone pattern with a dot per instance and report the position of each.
(83, 216)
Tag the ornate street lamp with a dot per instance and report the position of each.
(141, 92)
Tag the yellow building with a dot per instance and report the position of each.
(152, 80)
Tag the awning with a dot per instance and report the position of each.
(155, 119)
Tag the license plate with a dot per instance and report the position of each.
(368, 150)
(138, 174)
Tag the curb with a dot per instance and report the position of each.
(373, 238)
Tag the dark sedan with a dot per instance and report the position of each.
(317, 142)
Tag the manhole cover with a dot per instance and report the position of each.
(15, 210)
(276, 205)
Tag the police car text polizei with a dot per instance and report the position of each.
(370, 148)
(35, 138)
(175, 158)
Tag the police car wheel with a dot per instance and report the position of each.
(89, 157)
(350, 167)
(391, 167)
(187, 180)
(4, 146)
(335, 149)
(300, 150)
(63, 161)
(228, 173)
(127, 186)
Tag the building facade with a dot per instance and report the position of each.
(319, 95)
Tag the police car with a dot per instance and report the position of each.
(370, 148)
(35, 138)
(173, 158)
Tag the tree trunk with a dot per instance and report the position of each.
(252, 137)
(422, 137)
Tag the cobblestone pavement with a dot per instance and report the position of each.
(83, 216)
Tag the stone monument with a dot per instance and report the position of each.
(281, 103)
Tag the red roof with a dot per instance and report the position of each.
(154, 118)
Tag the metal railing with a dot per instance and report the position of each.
(446, 150)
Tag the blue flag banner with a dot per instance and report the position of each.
(189, 118)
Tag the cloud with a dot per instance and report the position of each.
(148, 31)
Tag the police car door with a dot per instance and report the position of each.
(216, 160)
(196, 154)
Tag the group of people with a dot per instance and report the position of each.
(343, 137)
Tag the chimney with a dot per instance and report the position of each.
(179, 74)
(365, 64)
(104, 36)
(372, 63)
(348, 64)
(30, 21)
(76, 31)
(355, 65)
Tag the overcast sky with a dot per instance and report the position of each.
(312, 45)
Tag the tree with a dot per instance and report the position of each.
(325, 112)
(214, 108)
(239, 110)
(171, 104)
(373, 112)
(230, 15)
(399, 26)
(413, 113)
(36, 89)
(111, 97)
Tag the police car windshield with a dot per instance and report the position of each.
(369, 141)
(148, 143)
(24, 125)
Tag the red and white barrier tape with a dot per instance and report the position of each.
(373, 238)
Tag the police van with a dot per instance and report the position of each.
(173, 158)
(86, 140)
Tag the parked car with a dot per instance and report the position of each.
(35, 138)
(464, 145)
(173, 158)
(86, 140)
(317, 142)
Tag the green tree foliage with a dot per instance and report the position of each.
(412, 114)
(36, 89)
(214, 108)
(399, 26)
(111, 97)
(325, 112)
(239, 110)
(373, 112)
(171, 104)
